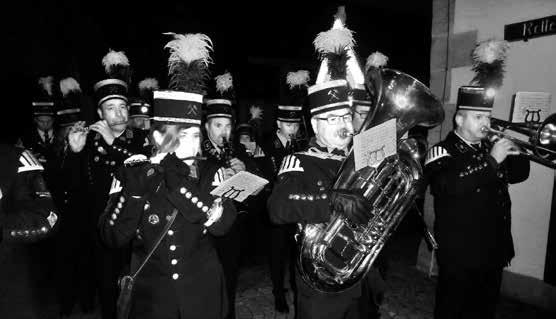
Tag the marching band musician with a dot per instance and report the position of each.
(140, 110)
(183, 278)
(27, 216)
(469, 179)
(361, 106)
(285, 142)
(41, 140)
(93, 156)
(302, 192)
(218, 146)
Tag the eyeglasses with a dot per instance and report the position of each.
(333, 120)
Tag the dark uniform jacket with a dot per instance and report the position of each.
(183, 278)
(92, 169)
(27, 215)
(300, 195)
(275, 152)
(471, 202)
(43, 150)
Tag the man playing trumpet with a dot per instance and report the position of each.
(469, 177)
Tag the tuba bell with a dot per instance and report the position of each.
(334, 256)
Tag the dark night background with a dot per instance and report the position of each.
(259, 42)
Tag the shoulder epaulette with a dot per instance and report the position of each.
(136, 160)
(435, 153)
(315, 152)
(218, 177)
(28, 162)
(116, 186)
(290, 163)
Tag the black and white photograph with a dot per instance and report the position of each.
(357, 159)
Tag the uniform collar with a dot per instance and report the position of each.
(282, 139)
(472, 145)
(42, 134)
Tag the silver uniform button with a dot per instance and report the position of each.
(174, 261)
(170, 232)
(172, 247)
(175, 276)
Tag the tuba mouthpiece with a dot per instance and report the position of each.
(345, 134)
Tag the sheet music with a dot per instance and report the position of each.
(372, 146)
(531, 107)
(240, 186)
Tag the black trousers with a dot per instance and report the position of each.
(282, 254)
(372, 293)
(228, 248)
(312, 304)
(467, 293)
(110, 264)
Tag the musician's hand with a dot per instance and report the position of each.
(77, 137)
(237, 165)
(228, 172)
(104, 130)
(502, 148)
(215, 212)
(139, 180)
(356, 208)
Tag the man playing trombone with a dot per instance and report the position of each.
(469, 177)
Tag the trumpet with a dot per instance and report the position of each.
(540, 148)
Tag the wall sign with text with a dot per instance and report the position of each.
(530, 29)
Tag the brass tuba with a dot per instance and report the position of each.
(334, 256)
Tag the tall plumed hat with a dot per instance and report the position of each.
(489, 59)
(188, 74)
(339, 71)
(69, 111)
(291, 108)
(115, 86)
(360, 95)
(142, 106)
(221, 104)
(44, 100)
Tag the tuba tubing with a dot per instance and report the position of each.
(336, 255)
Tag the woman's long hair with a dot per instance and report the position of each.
(170, 134)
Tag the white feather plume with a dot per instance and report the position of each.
(46, 83)
(114, 58)
(490, 50)
(224, 82)
(334, 40)
(298, 78)
(148, 84)
(256, 112)
(68, 85)
(189, 48)
(376, 60)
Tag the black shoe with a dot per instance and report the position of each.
(280, 303)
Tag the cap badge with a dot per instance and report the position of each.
(333, 94)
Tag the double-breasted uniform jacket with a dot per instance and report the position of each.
(300, 195)
(471, 202)
(183, 278)
(27, 216)
(96, 164)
